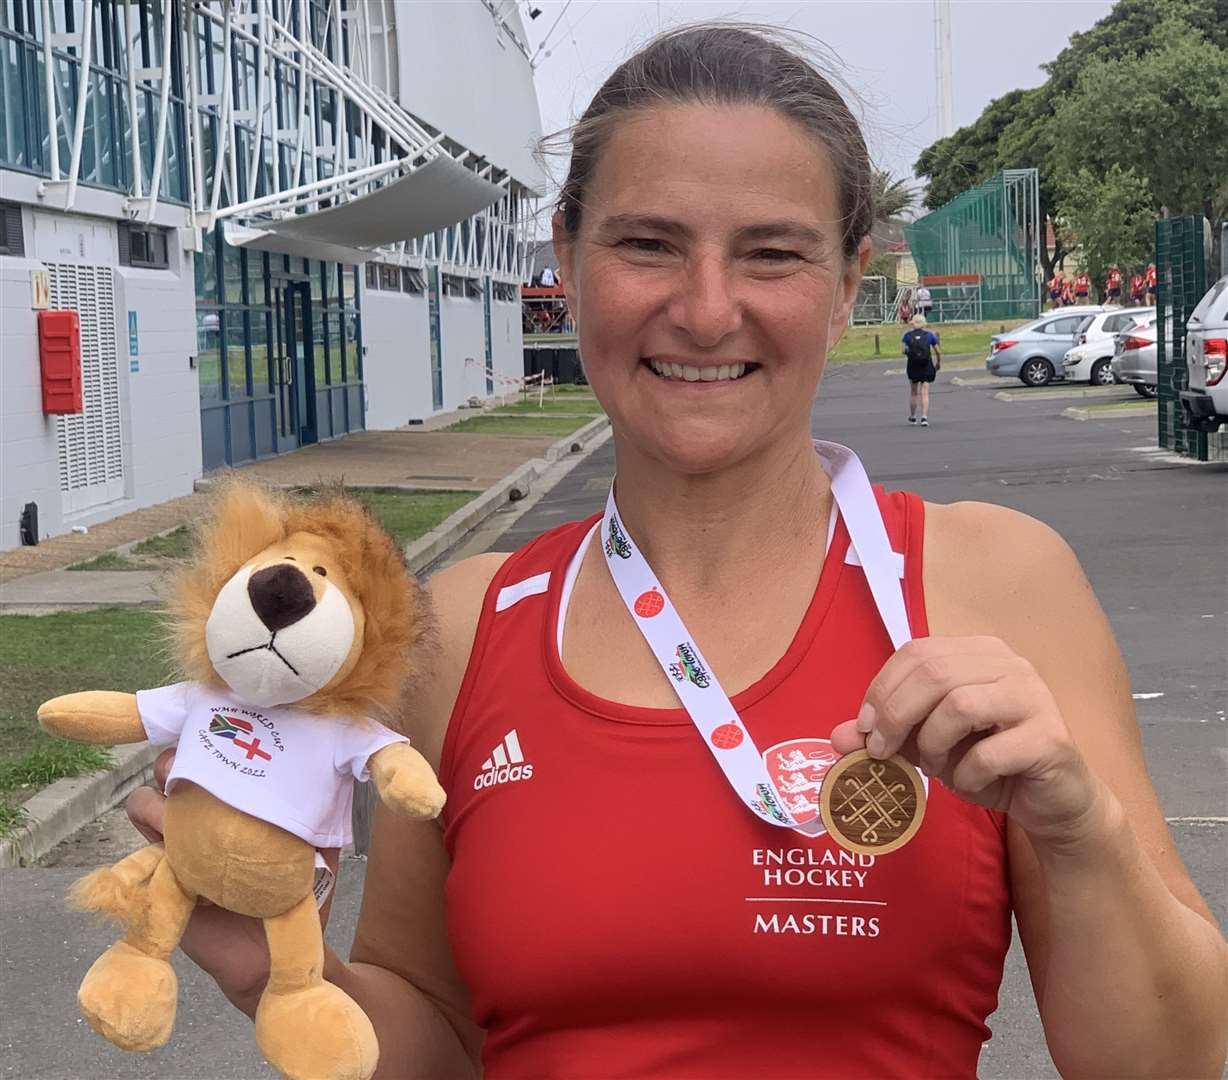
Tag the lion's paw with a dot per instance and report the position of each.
(316, 1034)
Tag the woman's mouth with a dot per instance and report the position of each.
(667, 369)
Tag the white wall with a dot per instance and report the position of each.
(162, 451)
(29, 470)
(464, 336)
(159, 402)
(397, 364)
(464, 77)
(507, 339)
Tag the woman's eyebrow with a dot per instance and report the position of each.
(781, 230)
(647, 222)
(793, 231)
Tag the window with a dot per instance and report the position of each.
(412, 281)
(506, 292)
(454, 285)
(1067, 325)
(372, 272)
(389, 277)
(12, 240)
(141, 245)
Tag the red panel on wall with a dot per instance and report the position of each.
(59, 351)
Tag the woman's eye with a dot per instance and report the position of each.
(644, 243)
(775, 255)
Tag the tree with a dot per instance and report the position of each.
(1146, 74)
(1171, 125)
(1111, 214)
(891, 198)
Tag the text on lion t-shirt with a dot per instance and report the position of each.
(287, 766)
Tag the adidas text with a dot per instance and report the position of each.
(506, 774)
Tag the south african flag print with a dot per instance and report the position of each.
(228, 727)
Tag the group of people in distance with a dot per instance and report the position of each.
(1068, 289)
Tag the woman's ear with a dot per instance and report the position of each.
(564, 251)
(846, 291)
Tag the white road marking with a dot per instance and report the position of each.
(1146, 697)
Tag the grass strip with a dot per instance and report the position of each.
(858, 341)
(44, 656)
(493, 424)
(406, 514)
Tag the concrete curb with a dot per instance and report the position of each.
(1057, 393)
(513, 487)
(1128, 409)
(60, 809)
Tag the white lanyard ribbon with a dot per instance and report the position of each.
(680, 658)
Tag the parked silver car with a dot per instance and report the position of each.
(1134, 361)
(1033, 353)
(1205, 403)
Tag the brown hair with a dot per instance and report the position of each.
(726, 64)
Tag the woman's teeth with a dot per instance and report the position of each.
(709, 373)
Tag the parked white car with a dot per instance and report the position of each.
(1205, 403)
(1089, 360)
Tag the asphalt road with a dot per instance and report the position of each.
(1150, 530)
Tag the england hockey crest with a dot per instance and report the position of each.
(797, 768)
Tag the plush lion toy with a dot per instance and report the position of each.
(297, 624)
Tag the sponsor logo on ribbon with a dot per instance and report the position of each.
(687, 668)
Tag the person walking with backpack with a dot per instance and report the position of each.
(924, 359)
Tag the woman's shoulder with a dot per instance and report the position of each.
(988, 568)
(455, 595)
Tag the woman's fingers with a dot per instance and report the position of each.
(970, 709)
(916, 687)
(162, 768)
(145, 808)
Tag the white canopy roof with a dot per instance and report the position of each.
(440, 193)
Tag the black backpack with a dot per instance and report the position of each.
(917, 345)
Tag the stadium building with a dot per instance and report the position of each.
(278, 222)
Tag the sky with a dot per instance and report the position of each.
(885, 49)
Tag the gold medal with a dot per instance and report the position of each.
(872, 805)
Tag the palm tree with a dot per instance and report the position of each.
(891, 198)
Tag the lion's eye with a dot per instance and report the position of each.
(320, 570)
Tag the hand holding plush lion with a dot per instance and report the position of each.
(296, 625)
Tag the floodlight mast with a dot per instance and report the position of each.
(942, 67)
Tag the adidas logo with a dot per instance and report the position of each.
(505, 764)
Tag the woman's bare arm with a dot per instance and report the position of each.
(401, 970)
(1129, 968)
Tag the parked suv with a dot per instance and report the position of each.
(1033, 352)
(1095, 339)
(1205, 403)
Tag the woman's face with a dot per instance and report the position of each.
(708, 281)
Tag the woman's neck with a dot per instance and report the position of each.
(759, 516)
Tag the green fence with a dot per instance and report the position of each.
(992, 231)
(1181, 280)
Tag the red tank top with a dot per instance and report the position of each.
(617, 912)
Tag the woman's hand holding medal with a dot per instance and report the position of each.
(976, 716)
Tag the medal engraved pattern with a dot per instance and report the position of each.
(871, 806)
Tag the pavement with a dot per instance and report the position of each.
(408, 457)
(1150, 530)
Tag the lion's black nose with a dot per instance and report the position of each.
(280, 595)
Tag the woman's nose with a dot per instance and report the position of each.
(705, 306)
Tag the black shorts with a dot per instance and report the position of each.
(1114, 294)
(921, 371)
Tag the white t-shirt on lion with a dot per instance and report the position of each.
(284, 765)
